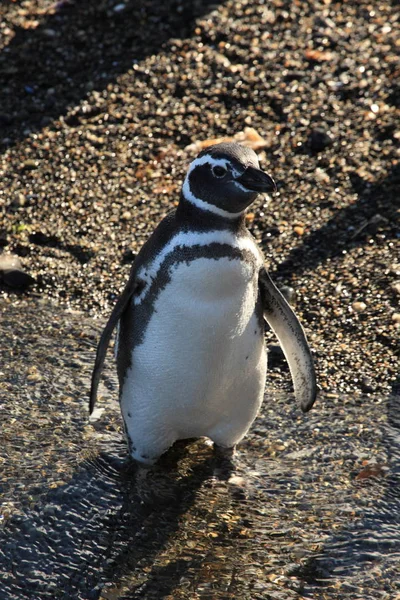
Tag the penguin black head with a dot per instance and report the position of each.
(225, 179)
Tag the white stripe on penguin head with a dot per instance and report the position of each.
(202, 204)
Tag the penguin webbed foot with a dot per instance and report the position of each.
(225, 461)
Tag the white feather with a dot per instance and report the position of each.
(201, 368)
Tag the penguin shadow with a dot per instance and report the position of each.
(374, 540)
(166, 493)
(51, 64)
(112, 519)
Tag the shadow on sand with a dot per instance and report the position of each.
(79, 47)
(106, 521)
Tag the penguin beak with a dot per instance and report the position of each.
(256, 180)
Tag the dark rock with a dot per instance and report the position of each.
(367, 385)
(12, 273)
(16, 278)
(128, 257)
(319, 139)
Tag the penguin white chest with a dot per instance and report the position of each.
(200, 370)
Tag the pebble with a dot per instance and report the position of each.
(96, 414)
(299, 230)
(12, 272)
(319, 139)
(359, 306)
(367, 385)
(30, 164)
(322, 176)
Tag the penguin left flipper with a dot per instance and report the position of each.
(292, 339)
(115, 316)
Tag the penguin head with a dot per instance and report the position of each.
(225, 179)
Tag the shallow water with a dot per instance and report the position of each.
(312, 509)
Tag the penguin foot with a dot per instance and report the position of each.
(225, 459)
(223, 452)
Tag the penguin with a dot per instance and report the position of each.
(190, 349)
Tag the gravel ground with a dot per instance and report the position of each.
(312, 510)
(99, 101)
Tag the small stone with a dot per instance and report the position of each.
(30, 164)
(317, 55)
(17, 279)
(126, 216)
(21, 200)
(237, 480)
(33, 375)
(321, 176)
(303, 453)
(9, 261)
(298, 230)
(396, 317)
(359, 306)
(367, 386)
(371, 470)
(96, 415)
(95, 139)
(12, 273)
(319, 139)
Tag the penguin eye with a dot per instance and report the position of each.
(219, 171)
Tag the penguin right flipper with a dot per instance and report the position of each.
(122, 302)
(292, 339)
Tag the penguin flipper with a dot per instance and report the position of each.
(292, 339)
(120, 306)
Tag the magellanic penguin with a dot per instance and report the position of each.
(191, 356)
